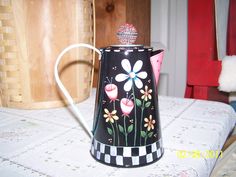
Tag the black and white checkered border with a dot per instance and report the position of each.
(126, 156)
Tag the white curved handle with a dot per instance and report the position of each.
(64, 90)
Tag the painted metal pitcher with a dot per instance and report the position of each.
(126, 129)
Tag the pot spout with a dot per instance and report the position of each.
(156, 61)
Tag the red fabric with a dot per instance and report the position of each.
(203, 67)
(231, 35)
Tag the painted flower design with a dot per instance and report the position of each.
(149, 123)
(110, 116)
(146, 93)
(126, 106)
(131, 74)
(111, 91)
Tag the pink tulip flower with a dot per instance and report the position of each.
(126, 105)
(111, 91)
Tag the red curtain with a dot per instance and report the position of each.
(231, 34)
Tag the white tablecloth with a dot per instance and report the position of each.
(52, 143)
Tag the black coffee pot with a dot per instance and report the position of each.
(126, 129)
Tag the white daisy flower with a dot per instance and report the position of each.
(132, 74)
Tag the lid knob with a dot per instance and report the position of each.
(127, 34)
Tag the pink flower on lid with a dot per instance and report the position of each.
(111, 91)
(126, 106)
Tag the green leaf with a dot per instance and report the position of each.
(109, 131)
(121, 128)
(150, 134)
(130, 128)
(147, 104)
(138, 102)
(143, 134)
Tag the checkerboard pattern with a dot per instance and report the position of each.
(126, 156)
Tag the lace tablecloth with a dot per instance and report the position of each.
(52, 143)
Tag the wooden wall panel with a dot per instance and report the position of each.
(107, 22)
(138, 12)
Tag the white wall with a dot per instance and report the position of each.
(169, 31)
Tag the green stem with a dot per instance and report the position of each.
(126, 143)
(114, 136)
(141, 123)
(118, 139)
(145, 140)
(117, 132)
(114, 105)
(135, 118)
